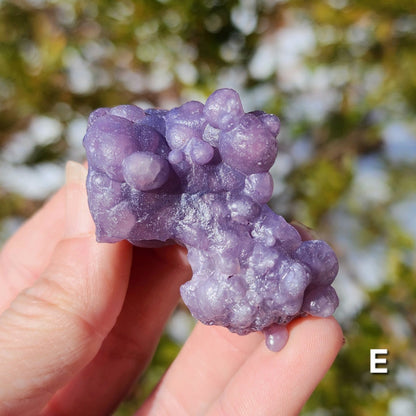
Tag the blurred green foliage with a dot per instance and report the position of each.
(340, 74)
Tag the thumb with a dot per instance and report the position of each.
(54, 328)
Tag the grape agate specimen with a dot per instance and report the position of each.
(198, 175)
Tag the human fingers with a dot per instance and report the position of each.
(28, 252)
(215, 363)
(199, 374)
(152, 295)
(279, 384)
(54, 328)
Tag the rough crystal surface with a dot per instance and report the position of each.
(198, 175)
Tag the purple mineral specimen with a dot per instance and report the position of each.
(198, 175)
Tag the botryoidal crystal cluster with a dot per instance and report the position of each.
(198, 175)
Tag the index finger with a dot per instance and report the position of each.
(29, 250)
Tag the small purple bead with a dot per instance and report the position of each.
(223, 109)
(106, 150)
(272, 122)
(145, 171)
(96, 114)
(175, 156)
(259, 186)
(201, 152)
(249, 147)
(130, 112)
(276, 337)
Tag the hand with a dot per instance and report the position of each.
(79, 321)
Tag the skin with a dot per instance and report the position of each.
(79, 322)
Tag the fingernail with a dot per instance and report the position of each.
(305, 232)
(78, 217)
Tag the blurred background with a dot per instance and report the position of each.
(341, 76)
